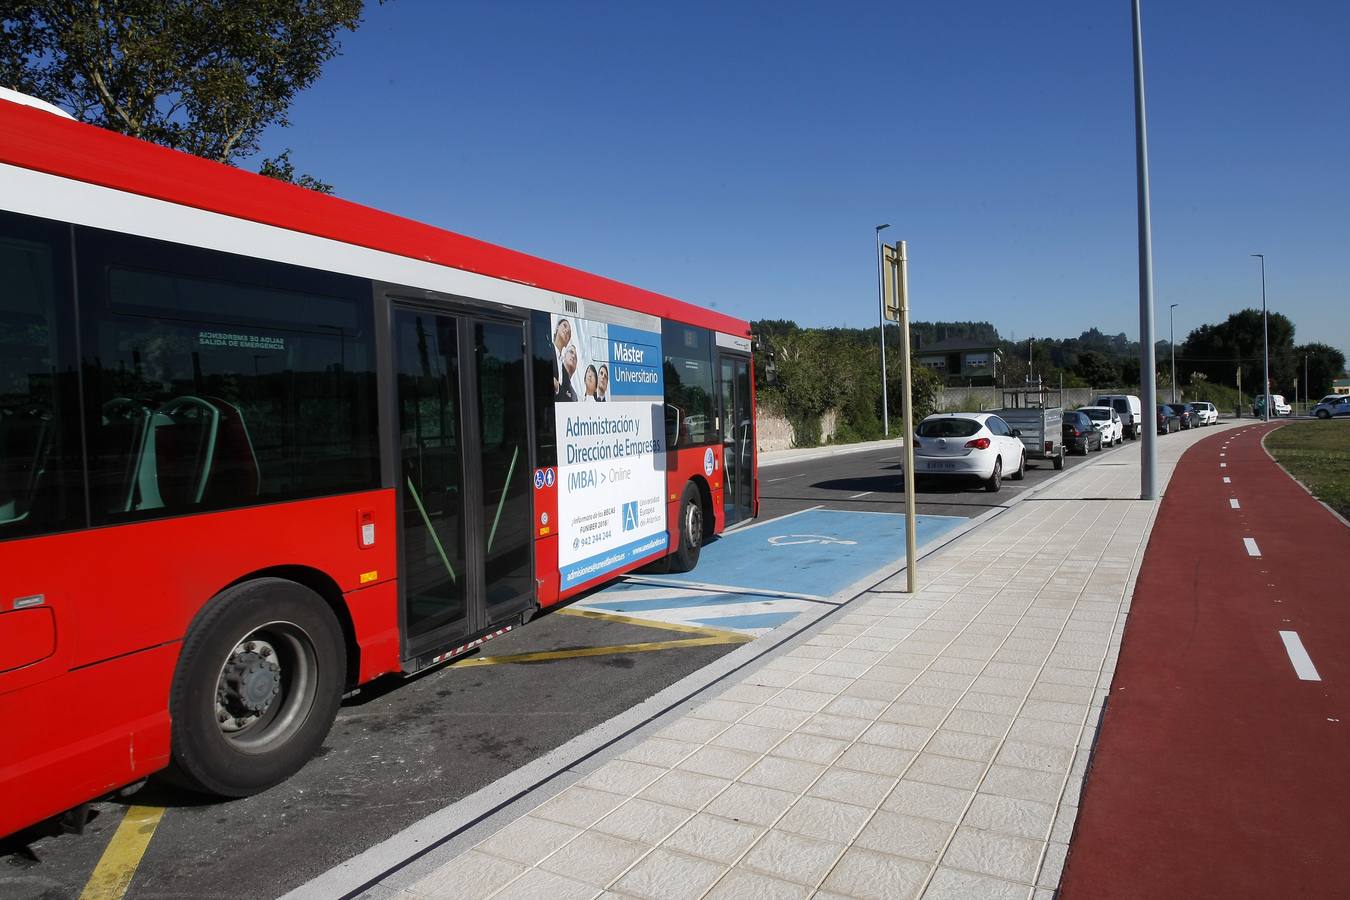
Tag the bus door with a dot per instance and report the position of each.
(738, 438)
(462, 424)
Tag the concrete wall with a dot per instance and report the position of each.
(977, 399)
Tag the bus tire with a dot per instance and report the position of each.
(256, 688)
(685, 556)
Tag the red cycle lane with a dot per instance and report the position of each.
(1218, 772)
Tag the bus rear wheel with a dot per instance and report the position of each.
(256, 689)
(685, 556)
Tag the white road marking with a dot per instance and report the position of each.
(786, 477)
(1303, 664)
(1223, 454)
(1234, 504)
(863, 494)
(1227, 480)
(1223, 465)
(1252, 549)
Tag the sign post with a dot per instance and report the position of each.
(897, 310)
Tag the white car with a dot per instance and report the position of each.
(1107, 421)
(1208, 414)
(981, 445)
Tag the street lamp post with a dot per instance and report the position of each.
(1148, 387)
(1265, 343)
(881, 320)
(1172, 345)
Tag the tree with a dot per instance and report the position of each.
(1325, 365)
(1237, 343)
(203, 76)
(1096, 369)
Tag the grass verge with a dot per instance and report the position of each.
(1317, 454)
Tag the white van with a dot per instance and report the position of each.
(1130, 408)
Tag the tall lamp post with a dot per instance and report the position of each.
(881, 321)
(1148, 387)
(1265, 343)
(1172, 345)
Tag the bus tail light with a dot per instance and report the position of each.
(365, 519)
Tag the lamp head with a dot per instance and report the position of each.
(881, 228)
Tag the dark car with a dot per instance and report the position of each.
(1189, 415)
(1168, 420)
(1080, 435)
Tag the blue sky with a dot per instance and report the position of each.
(738, 155)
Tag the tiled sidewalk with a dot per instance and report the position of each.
(929, 745)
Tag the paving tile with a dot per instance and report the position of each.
(825, 684)
(961, 745)
(620, 776)
(964, 774)
(869, 875)
(931, 801)
(856, 707)
(722, 710)
(811, 748)
(643, 821)
(837, 727)
(988, 724)
(875, 759)
(471, 874)
(578, 806)
(712, 837)
(792, 857)
(751, 803)
(739, 884)
(793, 775)
(950, 884)
(718, 762)
(689, 790)
(774, 717)
(1041, 757)
(893, 734)
(841, 669)
(1023, 818)
(528, 840)
(991, 703)
(751, 738)
(914, 714)
(659, 752)
(1062, 831)
(766, 677)
(665, 875)
(859, 788)
(1039, 731)
(1054, 711)
(1052, 869)
(825, 820)
(537, 884)
(1022, 784)
(931, 696)
(746, 692)
(905, 835)
(803, 701)
(593, 857)
(694, 731)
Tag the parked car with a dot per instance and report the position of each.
(1187, 414)
(1208, 412)
(1332, 406)
(1107, 421)
(1168, 421)
(1080, 435)
(981, 445)
(1278, 406)
(1131, 411)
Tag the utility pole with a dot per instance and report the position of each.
(911, 517)
(1148, 371)
(881, 317)
(1265, 343)
(1172, 345)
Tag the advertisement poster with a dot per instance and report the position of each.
(609, 395)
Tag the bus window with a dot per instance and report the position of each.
(687, 353)
(545, 388)
(212, 383)
(40, 487)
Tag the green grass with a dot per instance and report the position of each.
(1318, 454)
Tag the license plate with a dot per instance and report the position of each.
(941, 465)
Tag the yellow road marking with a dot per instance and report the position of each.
(545, 655)
(729, 636)
(112, 876)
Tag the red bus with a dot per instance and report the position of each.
(259, 446)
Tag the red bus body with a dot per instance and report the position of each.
(85, 674)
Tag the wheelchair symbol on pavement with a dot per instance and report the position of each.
(788, 540)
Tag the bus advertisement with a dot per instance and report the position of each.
(260, 446)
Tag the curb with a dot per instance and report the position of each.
(1266, 451)
(805, 454)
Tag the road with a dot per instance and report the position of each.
(405, 748)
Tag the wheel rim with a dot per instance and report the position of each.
(693, 525)
(266, 687)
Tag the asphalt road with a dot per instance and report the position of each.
(405, 748)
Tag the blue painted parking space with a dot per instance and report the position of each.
(812, 553)
(742, 611)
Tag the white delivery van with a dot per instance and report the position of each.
(1130, 408)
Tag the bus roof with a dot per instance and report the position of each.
(32, 138)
